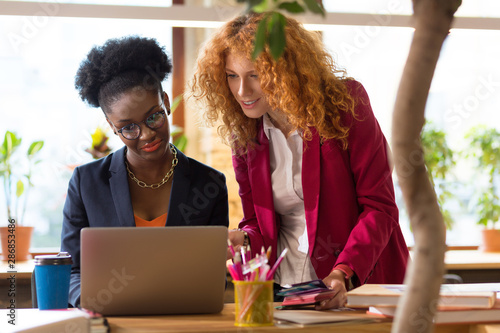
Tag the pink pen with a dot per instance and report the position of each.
(233, 272)
(263, 273)
(231, 248)
(252, 276)
(270, 274)
(237, 265)
(249, 253)
(243, 255)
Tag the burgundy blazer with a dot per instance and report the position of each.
(351, 214)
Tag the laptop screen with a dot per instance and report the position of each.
(154, 270)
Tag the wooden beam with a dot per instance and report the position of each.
(211, 17)
(178, 74)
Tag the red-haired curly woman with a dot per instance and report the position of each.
(309, 156)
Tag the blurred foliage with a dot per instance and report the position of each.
(99, 147)
(485, 148)
(439, 160)
(179, 139)
(17, 189)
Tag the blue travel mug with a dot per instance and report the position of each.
(52, 274)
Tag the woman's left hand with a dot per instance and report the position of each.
(335, 281)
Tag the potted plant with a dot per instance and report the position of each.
(15, 237)
(439, 160)
(485, 147)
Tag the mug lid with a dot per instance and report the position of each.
(62, 258)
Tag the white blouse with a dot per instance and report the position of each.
(286, 176)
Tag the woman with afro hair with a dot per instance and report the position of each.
(148, 182)
(309, 156)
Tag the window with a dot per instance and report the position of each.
(465, 92)
(40, 54)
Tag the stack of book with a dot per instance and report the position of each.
(458, 303)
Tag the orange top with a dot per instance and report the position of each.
(157, 222)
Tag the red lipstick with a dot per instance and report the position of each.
(151, 147)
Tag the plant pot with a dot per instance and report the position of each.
(21, 244)
(491, 240)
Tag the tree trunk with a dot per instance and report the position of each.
(417, 307)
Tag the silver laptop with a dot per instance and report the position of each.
(153, 270)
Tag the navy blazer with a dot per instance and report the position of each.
(99, 196)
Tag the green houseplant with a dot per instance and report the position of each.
(16, 238)
(485, 148)
(439, 160)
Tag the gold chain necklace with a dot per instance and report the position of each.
(164, 180)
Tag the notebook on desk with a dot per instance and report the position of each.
(149, 271)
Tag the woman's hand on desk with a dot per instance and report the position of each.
(335, 281)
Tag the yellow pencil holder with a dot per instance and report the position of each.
(253, 303)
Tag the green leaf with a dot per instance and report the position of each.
(175, 102)
(258, 6)
(315, 7)
(181, 142)
(277, 40)
(10, 143)
(174, 130)
(292, 7)
(3, 150)
(260, 38)
(35, 148)
(19, 188)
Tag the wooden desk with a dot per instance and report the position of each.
(472, 259)
(474, 266)
(224, 323)
(23, 270)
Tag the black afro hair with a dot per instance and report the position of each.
(119, 65)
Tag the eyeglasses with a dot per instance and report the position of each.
(133, 131)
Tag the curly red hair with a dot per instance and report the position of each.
(304, 83)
